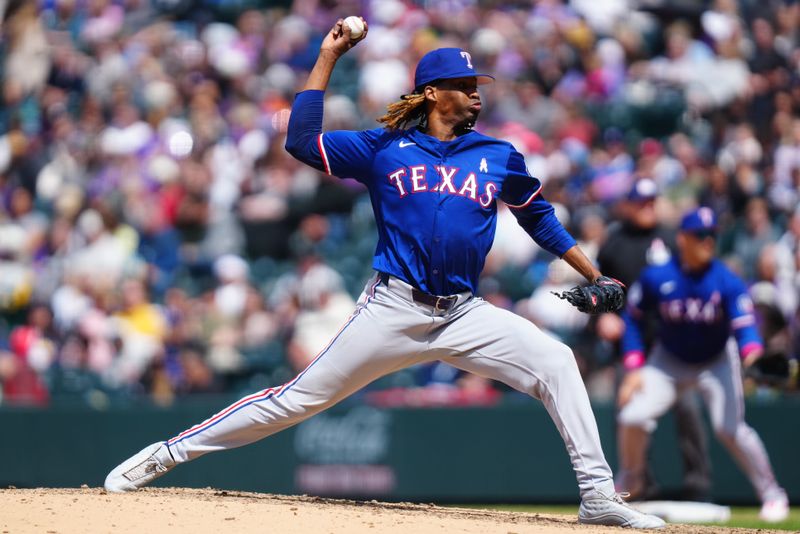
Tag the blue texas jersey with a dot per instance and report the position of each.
(434, 201)
(696, 312)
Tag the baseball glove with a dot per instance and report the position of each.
(774, 369)
(604, 295)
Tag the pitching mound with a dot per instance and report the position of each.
(200, 511)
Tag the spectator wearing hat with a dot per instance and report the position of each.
(634, 243)
(637, 239)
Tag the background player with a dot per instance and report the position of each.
(699, 303)
(634, 242)
(433, 189)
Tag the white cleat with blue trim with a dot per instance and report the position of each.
(600, 509)
(140, 469)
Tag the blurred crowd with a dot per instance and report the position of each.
(156, 240)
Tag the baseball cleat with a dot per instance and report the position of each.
(774, 510)
(140, 469)
(599, 509)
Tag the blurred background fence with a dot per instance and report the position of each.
(507, 453)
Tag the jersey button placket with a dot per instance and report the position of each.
(436, 253)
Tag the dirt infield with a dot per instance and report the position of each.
(200, 511)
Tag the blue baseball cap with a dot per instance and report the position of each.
(446, 64)
(701, 222)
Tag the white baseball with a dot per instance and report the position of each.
(356, 26)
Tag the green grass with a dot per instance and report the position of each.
(741, 516)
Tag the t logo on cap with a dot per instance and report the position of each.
(707, 216)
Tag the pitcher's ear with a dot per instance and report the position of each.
(430, 92)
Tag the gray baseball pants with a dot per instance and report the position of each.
(390, 331)
(720, 385)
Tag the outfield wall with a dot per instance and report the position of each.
(510, 453)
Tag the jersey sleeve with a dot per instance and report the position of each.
(522, 193)
(341, 153)
(739, 307)
(520, 189)
(348, 154)
(639, 300)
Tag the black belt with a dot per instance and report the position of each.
(434, 301)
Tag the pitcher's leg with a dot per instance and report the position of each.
(376, 340)
(502, 346)
(363, 350)
(269, 411)
(721, 386)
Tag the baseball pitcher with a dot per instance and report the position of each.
(434, 183)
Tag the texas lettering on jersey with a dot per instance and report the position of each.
(415, 179)
(693, 310)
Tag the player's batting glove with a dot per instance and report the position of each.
(604, 295)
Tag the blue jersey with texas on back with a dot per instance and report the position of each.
(434, 201)
(697, 312)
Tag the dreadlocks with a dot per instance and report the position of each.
(407, 109)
